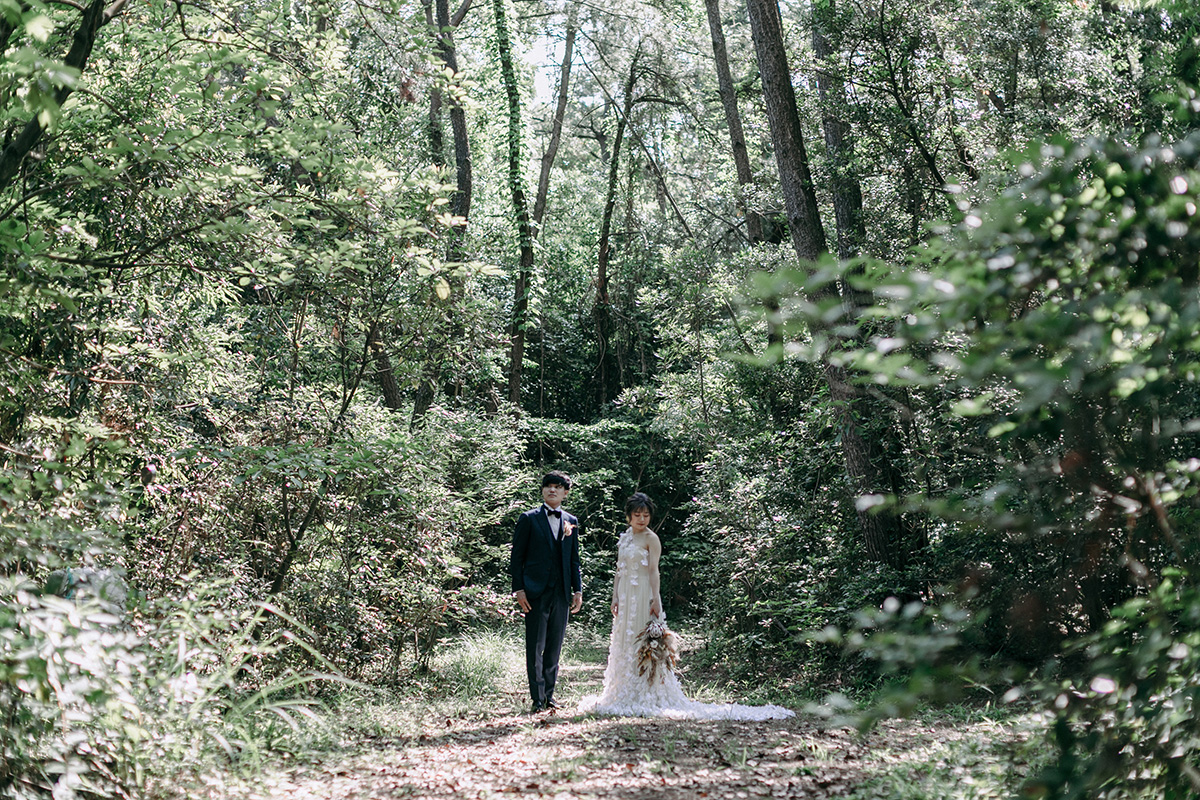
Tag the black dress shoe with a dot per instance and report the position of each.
(538, 707)
(553, 704)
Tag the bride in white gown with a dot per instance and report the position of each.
(636, 600)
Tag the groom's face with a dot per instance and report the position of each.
(554, 495)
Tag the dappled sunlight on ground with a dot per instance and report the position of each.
(492, 748)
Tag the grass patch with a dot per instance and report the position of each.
(959, 753)
(584, 645)
(482, 664)
(475, 676)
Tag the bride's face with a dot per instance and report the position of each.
(639, 520)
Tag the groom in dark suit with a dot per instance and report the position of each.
(547, 583)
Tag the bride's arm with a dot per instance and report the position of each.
(655, 550)
(616, 581)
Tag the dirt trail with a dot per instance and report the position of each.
(566, 755)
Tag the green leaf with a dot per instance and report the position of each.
(39, 26)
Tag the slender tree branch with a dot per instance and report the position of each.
(458, 16)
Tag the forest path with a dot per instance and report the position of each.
(496, 753)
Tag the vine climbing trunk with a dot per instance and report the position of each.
(516, 186)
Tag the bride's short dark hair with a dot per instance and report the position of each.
(637, 501)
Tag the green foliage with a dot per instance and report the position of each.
(100, 699)
(224, 313)
(67, 671)
(764, 557)
(68, 677)
(398, 553)
(199, 217)
(1124, 723)
(1061, 322)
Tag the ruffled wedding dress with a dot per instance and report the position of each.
(628, 694)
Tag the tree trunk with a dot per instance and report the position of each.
(847, 192)
(866, 464)
(804, 220)
(787, 135)
(384, 372)
(516, 185)
(437, 143)
(460, 202)
(839, 145)
(733, 120)
(543, 187)
(602, 311)
(556, 125)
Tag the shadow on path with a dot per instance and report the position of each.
(501, 752)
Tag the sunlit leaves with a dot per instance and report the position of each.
(1125, 725)
(1063, 319)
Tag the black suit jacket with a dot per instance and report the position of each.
(533, 555)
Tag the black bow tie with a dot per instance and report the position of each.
(554, 512)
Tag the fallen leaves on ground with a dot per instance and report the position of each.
(569, 756)
(502, 754)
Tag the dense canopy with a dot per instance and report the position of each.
(889, 305)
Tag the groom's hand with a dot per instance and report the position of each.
(522, 601)
(576, 602)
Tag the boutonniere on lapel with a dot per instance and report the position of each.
(568, 528)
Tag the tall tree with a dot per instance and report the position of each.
(867, 464)
(602, 307)
(516, 186)
(733, 120)
(839, 144)
(839, 147)
(556, 124)
(548, 158)
(460, 201)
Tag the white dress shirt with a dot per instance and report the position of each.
(555, 522)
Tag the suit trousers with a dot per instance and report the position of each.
(545, 628)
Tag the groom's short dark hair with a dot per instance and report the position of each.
(556, 478)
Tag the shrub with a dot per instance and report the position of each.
(1066, 315)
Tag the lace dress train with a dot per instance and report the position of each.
(626, 693)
